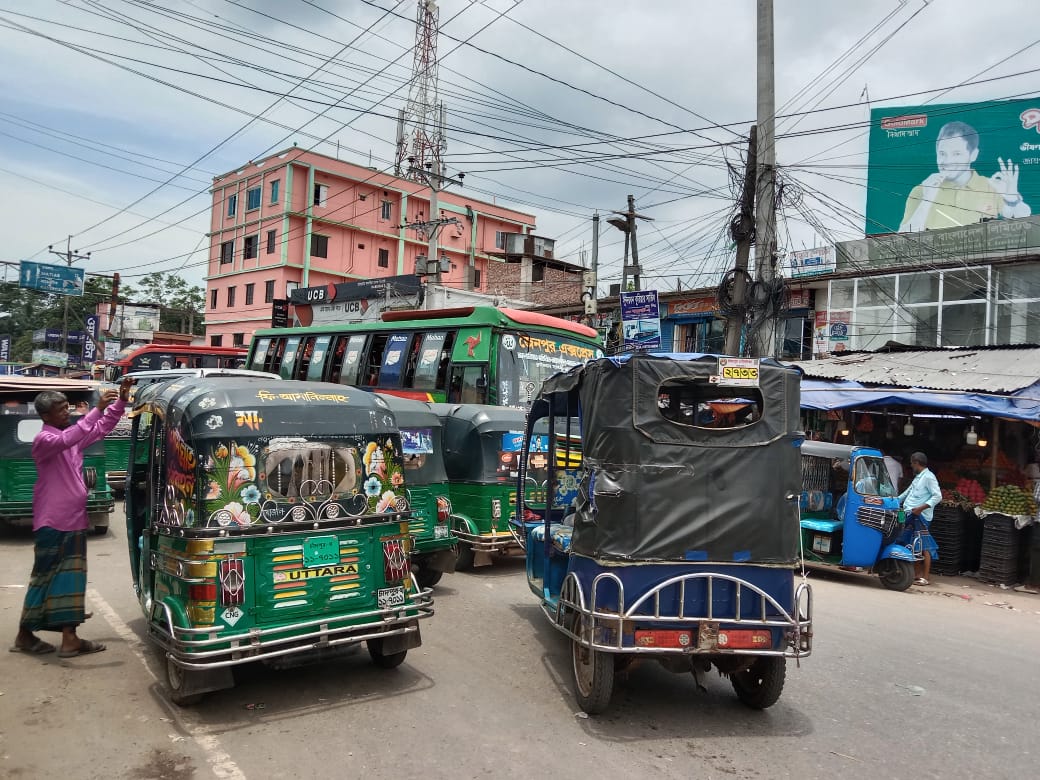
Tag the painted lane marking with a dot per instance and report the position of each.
(218, 759)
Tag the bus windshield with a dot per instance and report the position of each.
(525, 360)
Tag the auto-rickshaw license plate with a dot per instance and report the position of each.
(320, 551)
(440, 531)
(390, 597)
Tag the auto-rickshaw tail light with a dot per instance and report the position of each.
(443, 509)
(395, 560)
(744, 639)
(232, 582)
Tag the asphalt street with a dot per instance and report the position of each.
(937, 682)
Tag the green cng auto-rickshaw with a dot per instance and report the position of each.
(19, 424)
(433, 543)
(268, 519)
(481, 450)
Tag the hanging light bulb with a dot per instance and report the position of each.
(971, 438)
(983, 442)
(908, 429)
(844, 427)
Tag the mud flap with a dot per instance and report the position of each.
(401, 642)
(206, 680)
(442, 560)
(481, 558)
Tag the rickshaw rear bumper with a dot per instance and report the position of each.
(499, 542)
(209, 648)
(697, 625)
(116, 480)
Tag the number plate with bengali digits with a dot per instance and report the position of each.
(390, 597)
(440, 531)
(738, 371)
(320, 551)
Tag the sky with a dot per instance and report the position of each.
(118, 113)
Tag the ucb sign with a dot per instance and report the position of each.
(305, 295)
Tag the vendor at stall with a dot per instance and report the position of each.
(919, 500)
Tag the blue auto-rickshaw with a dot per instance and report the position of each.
(674, 535)
(850, 513)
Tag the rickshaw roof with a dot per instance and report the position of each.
(26, 388)
(215, 405)
(481, 417)
(826, 449)
(411, 413)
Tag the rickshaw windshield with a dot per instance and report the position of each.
(871, 478)
(421, 457)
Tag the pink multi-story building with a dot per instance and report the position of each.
(301, 219)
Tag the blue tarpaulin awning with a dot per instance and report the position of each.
(827, 395)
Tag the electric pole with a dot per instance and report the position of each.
(742, 231)
(69, 257)
(590, 281)
(628, 227)
(765, 190)
(436, 181)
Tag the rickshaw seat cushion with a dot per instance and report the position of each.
(559, 534)
(823, 526)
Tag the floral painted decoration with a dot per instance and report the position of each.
(232, 497)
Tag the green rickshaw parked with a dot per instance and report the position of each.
(19, 424)
(433, 543)
(481, 446)
(267, 519)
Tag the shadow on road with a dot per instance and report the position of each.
(652, 703)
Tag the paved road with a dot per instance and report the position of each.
(915, 685)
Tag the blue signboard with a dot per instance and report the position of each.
(5, 348)
(93, 322)
(641, 319)
(55, 279)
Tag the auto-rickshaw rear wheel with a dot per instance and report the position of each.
(760, 685)
(384, 660)
(593, 675)
(464, 561)
(427, 577)
(176, 682)
(896, 574)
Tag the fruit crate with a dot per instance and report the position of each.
(948, 531)
(1004, 555)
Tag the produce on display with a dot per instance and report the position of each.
(971, 490)
(1010, 500)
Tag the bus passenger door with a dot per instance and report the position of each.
(468, 385)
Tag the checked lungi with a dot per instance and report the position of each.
(55, 598)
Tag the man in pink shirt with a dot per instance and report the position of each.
(55, 597)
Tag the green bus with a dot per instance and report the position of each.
(471, 354)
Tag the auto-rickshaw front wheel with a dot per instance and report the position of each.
(177, 682)
(384, 660)
(593, 675)
(896, 574)
(760, 685)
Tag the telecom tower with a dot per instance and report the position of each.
(420, 125)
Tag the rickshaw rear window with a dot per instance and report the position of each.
(27, 429)
(298, 468)
(701, 404)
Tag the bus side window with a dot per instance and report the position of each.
(304, 361)
(408, 379)
(442, 371)
(370, 375)
(468, 385)
(259, 354)
(273, 359)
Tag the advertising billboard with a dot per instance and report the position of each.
(942, 166)
(809, 262)
(641, 319)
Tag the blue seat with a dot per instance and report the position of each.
(559, 534)
(824, 526)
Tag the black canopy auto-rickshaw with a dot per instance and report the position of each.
(268, 519)
(681, 542)
(19, 424)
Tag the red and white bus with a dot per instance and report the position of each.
(159, 357)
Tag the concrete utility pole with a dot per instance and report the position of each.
(628, 226)
(69, 257)
(742, 231)
(590, 282)
(765, 191)
(436, 181)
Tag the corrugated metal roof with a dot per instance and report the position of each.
(992, 369)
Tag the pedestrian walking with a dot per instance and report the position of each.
(54, 600)
(919, 500)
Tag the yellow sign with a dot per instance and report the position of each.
(738, 371)
(317, 572)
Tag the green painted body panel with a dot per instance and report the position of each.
(422, 501)
(475, 501)
(18, 476)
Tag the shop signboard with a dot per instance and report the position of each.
(49, 357)
(5, 348)
(809, 262)
(90, 341)
(641, 319)
(949, 165)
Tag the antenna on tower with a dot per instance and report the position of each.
(421, 141)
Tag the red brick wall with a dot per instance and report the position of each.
(557, 288)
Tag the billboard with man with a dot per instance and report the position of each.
(942, 166)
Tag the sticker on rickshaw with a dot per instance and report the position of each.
(737, 372)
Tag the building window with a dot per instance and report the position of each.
(227, 252)
(387, 210)
(500, 240)
(321, 195)
(231, 296)
(476, 278)
(269, 291)
(272, 235)
(253, 198)
(250, 288)
(252, 247)
(319, 246)
(213, 298)
(232, 205)
(276, 185)
(216, 341)
(384, 258)
(238, 339)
